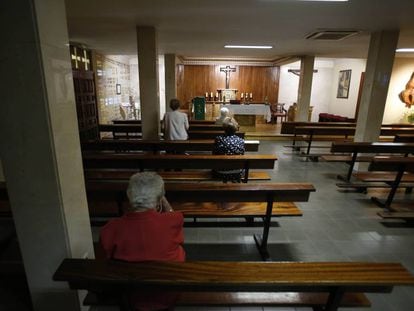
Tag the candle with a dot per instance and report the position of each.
(241, 95)
(206, 94)
(211, 94)
(251, 95)
(217, 95)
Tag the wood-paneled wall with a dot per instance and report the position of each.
(196, 80)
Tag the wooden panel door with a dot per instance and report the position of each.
(86, 108)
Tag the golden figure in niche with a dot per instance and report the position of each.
(407, 96)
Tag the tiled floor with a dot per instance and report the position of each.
(336, 226)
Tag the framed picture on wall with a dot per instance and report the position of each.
(344, 83)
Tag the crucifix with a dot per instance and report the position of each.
(227, 70)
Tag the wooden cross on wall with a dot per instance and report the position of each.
(227, 70)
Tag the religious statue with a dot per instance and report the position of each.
(407, 96)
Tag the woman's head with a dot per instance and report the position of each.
(145, 190)
(230, 126)
(174, 104)
(224, 112)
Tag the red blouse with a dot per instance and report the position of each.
(143, 236)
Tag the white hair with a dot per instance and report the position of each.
(224, 111)
(145, 190)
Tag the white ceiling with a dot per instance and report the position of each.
(201, 28)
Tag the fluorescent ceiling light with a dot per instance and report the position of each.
(405, 50)
(248, 46)
(304, 0)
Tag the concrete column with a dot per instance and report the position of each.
(170, 79)
(148, 81)
(377, 77)
(40, 147)
(305, 87)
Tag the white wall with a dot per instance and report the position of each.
(321, 86)
(346, 106)
(395, 110)
(324, 86)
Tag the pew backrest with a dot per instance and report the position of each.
(141, 162)
(158, 145)
(372, 147)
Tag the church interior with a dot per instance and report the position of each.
(321, 216)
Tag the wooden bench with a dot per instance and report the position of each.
(264, 195)
(156, 146)
(323, 285)
(197, 134)
(345, 131)
(156, 162)
(191, 122)
(122, 130)
(393, 164)
(289, 126)
(198, 175)
(356, 148)
(404, 138)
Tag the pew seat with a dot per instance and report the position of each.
(238, 279)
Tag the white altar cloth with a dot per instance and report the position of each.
(251, 109)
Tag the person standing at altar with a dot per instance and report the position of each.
(229, 144)
(175, 122)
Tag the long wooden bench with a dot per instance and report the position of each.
(323, 285)
(157, 146)
(191, 122)
(345, 131)
(180, 195)
(199, 134)
(404, 138)
(393, 164)
(289, 126)
(198, 175)
(156, 162)
(356, 148)
(122, 130)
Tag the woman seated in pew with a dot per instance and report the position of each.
(150, 230)
(230, 144)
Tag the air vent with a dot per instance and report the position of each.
(332, 35)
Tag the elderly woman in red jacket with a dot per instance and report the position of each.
(150, 230)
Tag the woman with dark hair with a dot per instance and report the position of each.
(230, 144)
(175, 122)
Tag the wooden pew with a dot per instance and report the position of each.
(142, 162)
(202, 122)
(356, 148)
(404, 138)
(289, 126)
(311, 131)
(156, 146)
(193, 134)
(393, 164)
(264, 195)
(122, 130)
(196, 175)
(232, 283)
